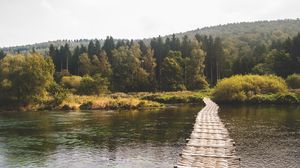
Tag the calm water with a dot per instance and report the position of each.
(125, 139)
(265, 137)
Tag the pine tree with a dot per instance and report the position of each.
(67, 55)
(108, 47)
(219, 59)
(91, 49)
(2, 54)
(158, 47)
(83, 49)
(97, 47)
(143, 47)
(74, 61)
(185, 47)
(54, 54)
(175, 43)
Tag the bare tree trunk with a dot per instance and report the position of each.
(211, 73)
(217, 71)
(61, 62)
(67, 64)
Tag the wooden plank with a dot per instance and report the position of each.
(212, 156)
(209, 143)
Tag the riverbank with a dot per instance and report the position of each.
(288, 98)
(138, 100)
(107, 102)
(191, 97)
(148, 100)
(135, 100)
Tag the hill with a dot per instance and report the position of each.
(251, 33)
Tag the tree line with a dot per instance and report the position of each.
(162, 64)
(281, 57)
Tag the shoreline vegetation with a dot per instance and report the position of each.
(147, 100)
(257, 90)
(133, 74)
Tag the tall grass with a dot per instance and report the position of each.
(106, 102)
(194, 97)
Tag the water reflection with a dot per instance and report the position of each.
(151, 138)
(266, 136)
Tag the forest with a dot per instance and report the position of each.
(171, 63)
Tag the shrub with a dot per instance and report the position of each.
(287, 98)
(86, 106)
(293, 81)
(279, 98)
(178, 97)
(241, 88)
(58, 93)
(71, 82)
(296, 92)
(93, 86)
(199, 83)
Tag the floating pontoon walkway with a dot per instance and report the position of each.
(209, 145)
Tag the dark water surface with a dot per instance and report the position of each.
(266, 136)
(122, 139)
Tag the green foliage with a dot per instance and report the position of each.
(24, 78)
(287, 98)
(296, 92)
(262, 69)
(241, 88)
(107, 102)
(194, 68)
(58, 93)
(293, 81)
(2, 54)
(172, 72)
(198, 83)
(93, 86)
(109, 46)
(84, 64)
(178, 97)
(279, 98)
(104, 67)
(218, 61)
(128, 75)
(151, 65)
(71, 82)
(282, 62)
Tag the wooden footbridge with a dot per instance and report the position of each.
(209, 145)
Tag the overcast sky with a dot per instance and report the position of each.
(32, 21)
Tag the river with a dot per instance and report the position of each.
(266, 136)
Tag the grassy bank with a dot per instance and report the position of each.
(142, 100)
(178, 97)
(107, 102)
(288, 98)
(135, 100)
